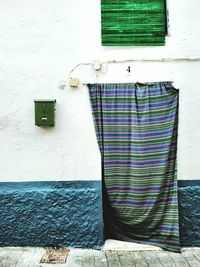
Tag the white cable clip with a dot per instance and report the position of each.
(97, 65)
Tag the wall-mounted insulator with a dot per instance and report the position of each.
(97, 65)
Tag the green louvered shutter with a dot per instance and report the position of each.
(133, 22)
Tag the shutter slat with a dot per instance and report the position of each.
(133, 22)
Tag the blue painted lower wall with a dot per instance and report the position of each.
(51, 214)
(70, 214)
(189, 212)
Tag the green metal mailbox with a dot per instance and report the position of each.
(45, 112)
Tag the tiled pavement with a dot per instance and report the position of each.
(108, 257)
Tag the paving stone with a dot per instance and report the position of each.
(165, 259)
(125, 258)
(178, 260)
(35, 260)
(100, 261)
(151, 258)
(54, 255)
(190, 257)
(138, 259)
(112, 259)
(26, 257)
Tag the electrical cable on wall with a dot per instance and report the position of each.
(97, 65)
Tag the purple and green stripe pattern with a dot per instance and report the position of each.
(136, 127)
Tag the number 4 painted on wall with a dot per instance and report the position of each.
(129, 69)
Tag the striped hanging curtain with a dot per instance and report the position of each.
(133, 22)
(136, 127)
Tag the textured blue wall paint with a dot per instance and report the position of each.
(51, 214)
(189, 212)
(70, 214)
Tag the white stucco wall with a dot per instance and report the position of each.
(40, 42)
